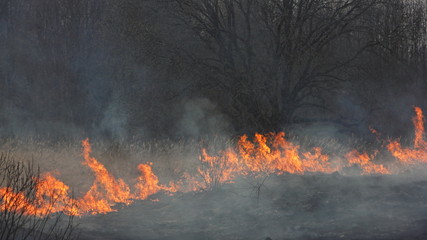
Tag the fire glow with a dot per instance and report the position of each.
(266, 154)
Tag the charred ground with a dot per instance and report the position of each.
(289, 207)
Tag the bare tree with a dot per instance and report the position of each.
(396, 67)
(273, 58)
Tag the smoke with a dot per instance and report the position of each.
(286, 207)
(201, 117)
(114, 122)
(73, 76)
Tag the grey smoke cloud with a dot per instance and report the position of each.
(200, 117)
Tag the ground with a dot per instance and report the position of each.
(313, 206)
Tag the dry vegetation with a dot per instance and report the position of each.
(343, 203)
(171, 159)
(17, 217)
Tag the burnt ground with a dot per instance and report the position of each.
(316, 206)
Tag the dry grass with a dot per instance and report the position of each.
(170, 158)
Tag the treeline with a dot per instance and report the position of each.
(159, 68)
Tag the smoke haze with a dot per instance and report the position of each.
(176, 84)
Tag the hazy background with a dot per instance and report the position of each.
(186, 68)
(177, 70)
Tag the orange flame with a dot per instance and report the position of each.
(318, 162)
(148, 183)
(106, 191)
(51, 195)
(266, 154)
(365, 162)
(419, 152)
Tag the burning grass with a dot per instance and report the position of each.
(118, 174)
(25, 213)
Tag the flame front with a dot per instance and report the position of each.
(52, 195)
(419, 151)
(106, 191)
(265, 154)
(271, 153)
(365, 163)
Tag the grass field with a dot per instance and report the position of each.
(341, 205)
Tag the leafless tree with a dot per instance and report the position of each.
(273, 58)
(263, 63)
